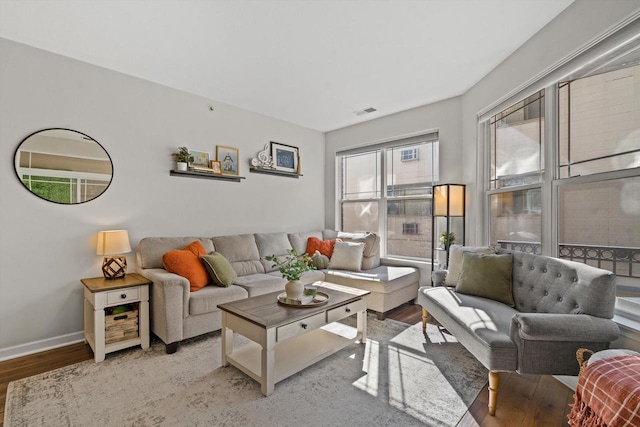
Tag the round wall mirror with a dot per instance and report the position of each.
(63, 166)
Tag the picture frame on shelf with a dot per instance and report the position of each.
(285, 157)
(200, 158)
(216, 167)
(228, 158)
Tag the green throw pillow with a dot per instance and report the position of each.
(488, 276)
(219, 269)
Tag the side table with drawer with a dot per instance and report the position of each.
(106, 333)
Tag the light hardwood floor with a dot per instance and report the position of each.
(523, 400)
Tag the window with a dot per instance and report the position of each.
(516, 144)
(520, 202)
(410, 228)
(65, 190)
(598, 161)
(598, 224)
(585, 205)
(410, 154)
(517, 161)
(384, 192)
(360, 195)
(599, 116)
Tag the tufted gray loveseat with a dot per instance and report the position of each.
(560, 306)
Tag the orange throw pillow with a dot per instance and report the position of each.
(186, 263)
(325, 247)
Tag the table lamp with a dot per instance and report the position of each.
(113, 243)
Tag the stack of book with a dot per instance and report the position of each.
(201, 169)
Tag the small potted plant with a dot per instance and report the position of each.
(291, 266)
(447, 238)
(182, 158)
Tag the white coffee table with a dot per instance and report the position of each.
(286, 339)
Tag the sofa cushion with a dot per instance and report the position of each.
(488, 276)
(383, 279)
(328, 234)
(325, 247)
(150, 250)
(219, 269)
(347, 256)
(299, 240)
(207, 299)
(272, 244)
(455, 261)
(241, 251)
(480, 324)
(259, 284)
(371, 252)
(186, 263)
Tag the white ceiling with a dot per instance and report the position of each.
(313, 63)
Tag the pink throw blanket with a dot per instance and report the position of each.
(608, 394)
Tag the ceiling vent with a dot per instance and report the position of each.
(365, 111)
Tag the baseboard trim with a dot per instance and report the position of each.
(41, 345)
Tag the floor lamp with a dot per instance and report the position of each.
(448, 201)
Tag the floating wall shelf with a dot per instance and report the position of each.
(275, 172)
(206, 175)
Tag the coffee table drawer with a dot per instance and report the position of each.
(346, 311)
(300, 327)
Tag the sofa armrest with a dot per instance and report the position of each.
(169, 303)
(547, 342)
(563, 327)
(438, 277)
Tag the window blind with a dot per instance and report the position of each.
(430, 136)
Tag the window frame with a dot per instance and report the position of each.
(430, 138)
(551, 183)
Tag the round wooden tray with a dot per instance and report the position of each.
(320, 299)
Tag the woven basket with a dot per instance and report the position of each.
(580, 356)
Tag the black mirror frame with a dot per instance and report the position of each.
(70, 130)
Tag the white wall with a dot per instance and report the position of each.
(45, 248)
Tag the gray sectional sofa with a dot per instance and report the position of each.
(560, 306)
(177, 313)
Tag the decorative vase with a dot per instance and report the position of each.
(182, 166)
(294, 289)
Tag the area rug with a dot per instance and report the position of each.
(400, 377)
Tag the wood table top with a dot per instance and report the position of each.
(101, 284)
(265, 311)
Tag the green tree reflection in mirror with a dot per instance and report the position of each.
(63, 166)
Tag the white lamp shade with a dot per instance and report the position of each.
(113, 242)
(451, 195)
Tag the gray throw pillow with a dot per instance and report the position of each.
(488, 276)
(221, 272)
(346, 256)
